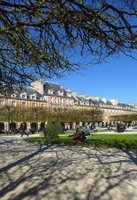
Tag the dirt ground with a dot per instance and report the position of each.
(34, 172)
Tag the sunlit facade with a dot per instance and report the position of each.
(53, 96)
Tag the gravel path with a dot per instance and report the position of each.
(33, 172)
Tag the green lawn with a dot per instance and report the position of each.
(98, 131)
(97, 140)
(116, 140)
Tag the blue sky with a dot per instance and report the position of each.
(115, 79)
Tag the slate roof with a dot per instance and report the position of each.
(109, 103)
(122, 105)
(54, 86)
(93, 102)
(79, 100)
(28, 91)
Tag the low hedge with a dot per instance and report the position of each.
(97, 140)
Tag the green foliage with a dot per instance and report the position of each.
(18, 114)
(97, 140)
(125, 118)
(37, 114)
(8, 113)
(35, 35)
(81, 115)
(53, 129)
(115, 140)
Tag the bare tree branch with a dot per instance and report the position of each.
(38, 37)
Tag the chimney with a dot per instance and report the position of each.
(95, 98)
(38, 86)
(74, 94)
(104, 100)
(114, 101)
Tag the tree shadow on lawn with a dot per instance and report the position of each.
(71, 172)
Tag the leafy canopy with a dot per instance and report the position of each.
(38, 37)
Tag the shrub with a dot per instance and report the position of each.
(52, 130)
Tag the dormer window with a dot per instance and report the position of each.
(13, 95)
(60, 93)
(42, 98)
(23, 96)
(50, 91)
(33, 97)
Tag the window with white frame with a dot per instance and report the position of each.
(56, 100)
(61, 100)
(87, 103)
(70, 102)
(14, 103)
(66, 101)
(33, 105)
(53, 100)
(23, 104)
(81, 103)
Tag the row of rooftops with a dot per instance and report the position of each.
(54, 89)
(88, 100)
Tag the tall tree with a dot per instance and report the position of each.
(8, 113)
(81, 115)
(38, 37)
(124, 117)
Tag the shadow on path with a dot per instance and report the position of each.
(72, 173)
(26, 158)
